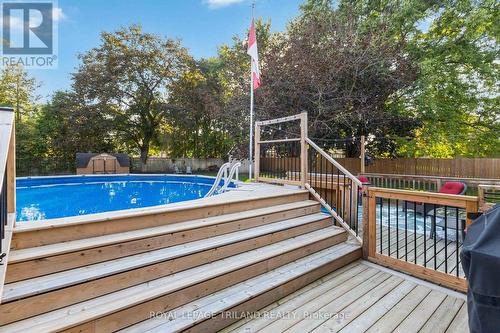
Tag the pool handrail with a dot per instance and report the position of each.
(222, 172)
(234, 169)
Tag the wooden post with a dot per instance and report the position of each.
(303, 149)
(372, 224)
(365, 224)
(257, 152)
(481, 192)
(362, 156)
(11, 172)
(472, 207)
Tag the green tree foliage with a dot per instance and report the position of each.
(66, 127)
(457, 94)
(197, 122)
(330, 65)
(128, 77)
(17, 90)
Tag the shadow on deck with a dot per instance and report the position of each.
(362, 297)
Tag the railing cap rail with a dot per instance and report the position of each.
(421, 195)
(426, 177)
(279, 120)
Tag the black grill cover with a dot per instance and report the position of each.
(481, 263)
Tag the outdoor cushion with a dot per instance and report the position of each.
(363, 179)
(452, 188)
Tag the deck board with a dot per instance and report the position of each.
(365, 299)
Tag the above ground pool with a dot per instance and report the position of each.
(42, 198)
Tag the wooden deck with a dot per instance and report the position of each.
(362, 298)
(433, 252)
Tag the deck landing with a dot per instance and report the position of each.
(362, 298)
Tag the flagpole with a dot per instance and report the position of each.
(250, 150)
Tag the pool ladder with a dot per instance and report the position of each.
(228, 171)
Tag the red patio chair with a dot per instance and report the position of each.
(455, 188)
(365, 181)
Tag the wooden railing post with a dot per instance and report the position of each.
(366, 221)
(481, 191)
(372, 223)
(11, 172)
(471, 209)
(257, 152)
(303, 149)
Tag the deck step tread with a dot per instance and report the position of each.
(46, 283)
(188, 315)
(70, 316)
(82, 244)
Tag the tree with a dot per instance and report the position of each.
(128, 77)
(66, 127)
(454, 43)
(343, 74)
(198, 121)
(457, 93)
(17, 90)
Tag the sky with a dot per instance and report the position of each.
(201, 25)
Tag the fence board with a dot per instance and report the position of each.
(488, 168)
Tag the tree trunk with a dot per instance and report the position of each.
(144, 155)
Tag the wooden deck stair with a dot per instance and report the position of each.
(238, 259)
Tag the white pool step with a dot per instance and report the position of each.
(24, 263)
(131, 305)
(46, 283)
(226, 300)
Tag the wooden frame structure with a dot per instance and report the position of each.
(303, 149)
(313, 168)
(469, 203)
(488, 196)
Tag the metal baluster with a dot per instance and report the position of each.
(3, 211)
(456, 252)
(415, 231)
(381, 224)
(425, 236)
(446, 239)
(350, 207)
(397, 228)
(406, 230)
(435, 236)
(389, 227)
(332, 189)
(337, 193)
(343, 200)
(321, 176)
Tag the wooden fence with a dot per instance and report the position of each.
(488, 168)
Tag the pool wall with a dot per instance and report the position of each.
(58, 180)
(48, 198)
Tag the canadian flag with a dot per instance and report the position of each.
(254, 54)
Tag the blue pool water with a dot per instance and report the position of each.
(55, 197)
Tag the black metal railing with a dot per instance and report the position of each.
(426, 234)
(280, 160)
(3, 214)
(340, 192)
(27, 166)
